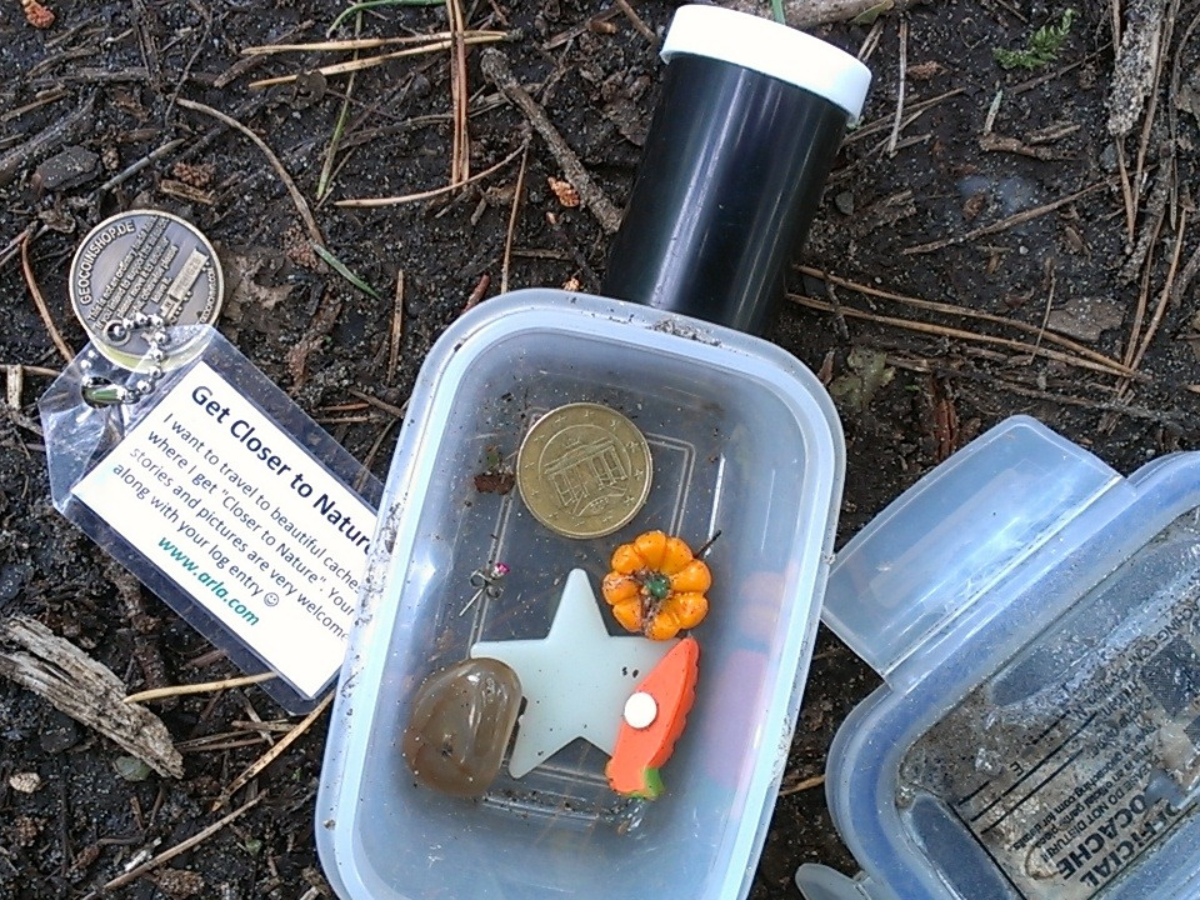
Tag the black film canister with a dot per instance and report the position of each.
(743, 137)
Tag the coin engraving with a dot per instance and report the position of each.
(143, 261)
(584, 470)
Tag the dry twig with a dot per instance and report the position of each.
(1173, 105)
(14, 385)
(634, 19)
(926, 366)
(242, 66)
(1109, 368)
(389, 408)
(478, 292)
(182, 847)
(397, 332)
(180, 690)
(800, 786)
(495, 67)
(903, 76)
(137, 166)
(914, 109)
(366, 43)
(40, 302)
(460, 94)
(518, 192)
(369, 459)
(1161, 308)
(871, 42)
(366, 202)
(74, 683)
(950, 309)
(275, 752)
(371, 62)
(69, 128)
(806, 13)
(1020, 218)
(306, 215)
(1133, 75)
(1164, 46)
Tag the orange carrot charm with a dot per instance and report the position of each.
(655, 716)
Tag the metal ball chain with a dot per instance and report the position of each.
(101, 392)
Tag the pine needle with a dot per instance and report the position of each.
(375, 4)
(341, 268)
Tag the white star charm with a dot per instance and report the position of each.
(575, 680)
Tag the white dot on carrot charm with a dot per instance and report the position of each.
(640, 710)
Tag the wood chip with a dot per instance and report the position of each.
(74, 683)
(806, 13)
(14, 382)
(186, 192)
(1137, 61)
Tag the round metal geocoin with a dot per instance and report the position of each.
(143, 261)
(584, 470)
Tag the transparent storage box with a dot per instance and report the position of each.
(1036, 619)
(744, 441)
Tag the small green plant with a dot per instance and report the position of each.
(1042, 47)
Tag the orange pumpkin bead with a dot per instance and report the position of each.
(656, 586)
(694, 577)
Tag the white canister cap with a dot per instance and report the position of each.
(770, 48)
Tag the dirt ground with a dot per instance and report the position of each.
(1104, 258)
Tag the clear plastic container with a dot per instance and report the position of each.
(745, 441)
(1036, 619)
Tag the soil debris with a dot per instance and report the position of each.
(497, 477)
(25, 782)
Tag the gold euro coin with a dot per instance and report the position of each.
(584, 470)
(149, 262)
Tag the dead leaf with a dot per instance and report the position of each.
(926, 70)
(869, 371)
(249, 277)
(564, 191)
(1086, 318)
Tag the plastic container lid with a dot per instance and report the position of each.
(772, 49)
(1036, 618)
(744, 440)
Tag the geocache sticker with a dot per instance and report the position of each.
(242, 519)
(1079, 757)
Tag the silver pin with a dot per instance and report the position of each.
(487, 580)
